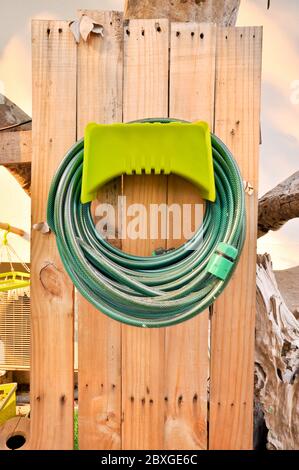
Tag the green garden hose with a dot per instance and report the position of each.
(152, 291)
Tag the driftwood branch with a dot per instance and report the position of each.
(16, 146)
(277, 361)
(22, 173)
(222, 12)
(15, 142)
(11, 115)
(279, 205)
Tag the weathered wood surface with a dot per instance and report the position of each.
(100, 72)
(192, 75)
(15, 142)
(277, 361)
(279, 205)
(237, 111)
(11, 116)
(15, 147)
(54, 62)
(222, 12)
(145, 95)
(16, 154)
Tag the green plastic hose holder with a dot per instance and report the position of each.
(111, 150)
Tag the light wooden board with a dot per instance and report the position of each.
(192, 75)
(54, 131)
(192, 71)
(99, 348)
(237, 108)
(145, 95)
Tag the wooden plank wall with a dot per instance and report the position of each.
(237, 110)
(100, 75)
(142, 388)
(192, 74)
(54, 60)
(145, 95)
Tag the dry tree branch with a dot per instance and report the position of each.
(279, 205)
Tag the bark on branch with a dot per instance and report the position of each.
(279, 205)
(222, 12)
(15, 142)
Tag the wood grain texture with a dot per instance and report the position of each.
(145, 69)
(278, 206)
(222, 12)
(192, 71)
(192, 76)
(145, 95)
(99, 347)
(15, 426)
(237, 112)
(15, 147)
(54, 131)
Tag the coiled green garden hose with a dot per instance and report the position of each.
(149, 291)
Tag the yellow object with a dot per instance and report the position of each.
(111, 150)
(5, 241)
(14, 280)
(7, 401)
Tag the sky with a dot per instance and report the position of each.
(279, 156)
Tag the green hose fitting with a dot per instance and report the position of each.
(153, 291)
(222, 262)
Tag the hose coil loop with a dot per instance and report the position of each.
(143, 291)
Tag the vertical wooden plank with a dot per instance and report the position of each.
(146, 69)
(100, 67)
(192, 71)
(145, 95)
(54, 131)
(192, 76)
(237, 113)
